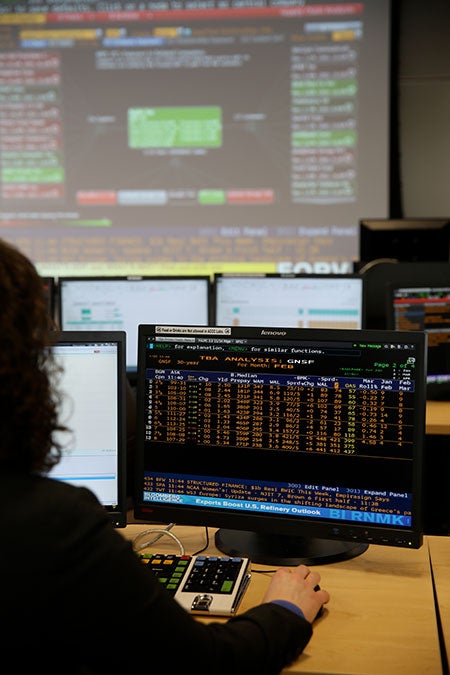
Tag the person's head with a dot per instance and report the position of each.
(28, 404)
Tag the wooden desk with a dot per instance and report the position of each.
(380, 620)
(439, 548)
(438, 417)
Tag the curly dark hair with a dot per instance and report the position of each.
(29, 399)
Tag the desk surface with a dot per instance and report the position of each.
(380, 620)
(440, 560)
(438, 417)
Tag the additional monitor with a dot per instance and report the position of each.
(420, 307)
(405, 239)
(378, 275)
(49, 284)
(122, 303)
(306, 443)
(297, 301)
(93, 385)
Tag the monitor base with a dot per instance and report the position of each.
(268, 549)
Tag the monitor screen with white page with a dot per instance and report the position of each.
(93, 385)
(296, 301)
(122, 303)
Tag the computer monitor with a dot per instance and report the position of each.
(421, 307)
(297, 301)
(122, 303)
(300, 445)
(93, 387)
(49, 284)
(378, 275)
(405, 239)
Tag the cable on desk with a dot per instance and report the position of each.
(156, 533)
(206, 544)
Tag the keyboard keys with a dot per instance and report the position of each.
(169, 569)
(213, 574)
(207, 574)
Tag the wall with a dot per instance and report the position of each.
(424, 107)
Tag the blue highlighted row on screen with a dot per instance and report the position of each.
(285, 509)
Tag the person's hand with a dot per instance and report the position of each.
(297, 586)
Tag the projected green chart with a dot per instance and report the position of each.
(175, 127)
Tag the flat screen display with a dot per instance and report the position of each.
(421, 307)
(115, 303)
(378, 275)
(298, 301)
(298, 444)
(93, 389)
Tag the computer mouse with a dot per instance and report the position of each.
(321, 608)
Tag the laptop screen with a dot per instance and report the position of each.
(93, 409)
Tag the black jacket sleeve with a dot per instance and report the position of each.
(108, 614)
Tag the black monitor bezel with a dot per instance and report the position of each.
(117, 515)
(273, 525)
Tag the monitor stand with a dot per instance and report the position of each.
(279, 550)
(438, 391)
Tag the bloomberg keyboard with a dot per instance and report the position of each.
(202, 584)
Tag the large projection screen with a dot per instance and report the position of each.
(193, 137)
